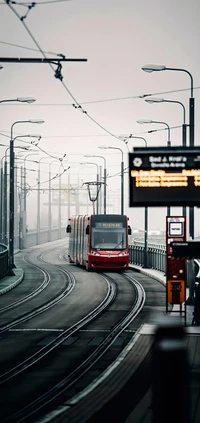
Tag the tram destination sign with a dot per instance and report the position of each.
(164, 176)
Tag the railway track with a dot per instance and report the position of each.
(115, 309)
(59, 391)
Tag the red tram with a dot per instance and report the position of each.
(99, 241)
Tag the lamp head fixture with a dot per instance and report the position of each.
(39, 121)
(144, 121)
(153, 68)
(26, 99)
(154, 100)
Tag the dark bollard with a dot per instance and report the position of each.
(170, 396)
(196, 313)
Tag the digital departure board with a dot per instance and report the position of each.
(164, 177)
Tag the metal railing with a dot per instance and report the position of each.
(156, 255)
(156, 252)
(3, 260)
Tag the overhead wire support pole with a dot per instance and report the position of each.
(53, 61)
(39, 60)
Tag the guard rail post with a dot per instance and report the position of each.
(196, 313)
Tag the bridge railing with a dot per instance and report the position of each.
(156, 255)
(3, 260)
(156, 252)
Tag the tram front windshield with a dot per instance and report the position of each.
(109, 238)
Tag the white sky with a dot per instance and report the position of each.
(117, 37)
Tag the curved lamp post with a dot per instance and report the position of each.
(140, 138)
(93, 163)
(122, 174)
(12, 209)
(3, 206)
(157, 121)
(38, 199)
(105, 172)
(156, 68)
(168, 140)
(152, 100)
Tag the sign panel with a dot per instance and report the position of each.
(176, 291)
(175, 268)
(108, 225)
(186, 250)
(164, 177)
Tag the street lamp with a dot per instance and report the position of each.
(28, 136)
(3, 211)
(140, 138)
(157, 121)
(168, 141)
(12, 201)
(152, 100)
(23, 227)
(122, 175)
(98, 184)
(152, 68)
(105, 172)
(38, 199)
(50, 178)
(145, 221)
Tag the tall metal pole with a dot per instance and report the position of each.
(122, 184)
(16, 214)
(5, 203)
(105, 173)
(12, 196)
(49, 215)
(191, 109)
(20, 211)
(146, 237)
(1, 204)
(97, 189)
(104, 195)
(38, 205)
(100, 192)
(122, 177)
(59, 207)
(24, 213)
(11, 219)
(69, 197)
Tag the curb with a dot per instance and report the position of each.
(13, 285)
(146, 273)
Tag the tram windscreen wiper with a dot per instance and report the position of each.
(120, 242)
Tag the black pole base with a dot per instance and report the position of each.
(190, 301)
(10, 273)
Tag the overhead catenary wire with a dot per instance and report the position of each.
(16, 3)
(76, 104)
(94, 135)
(130, 97)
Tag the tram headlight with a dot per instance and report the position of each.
(123, 253)
(95, 253)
